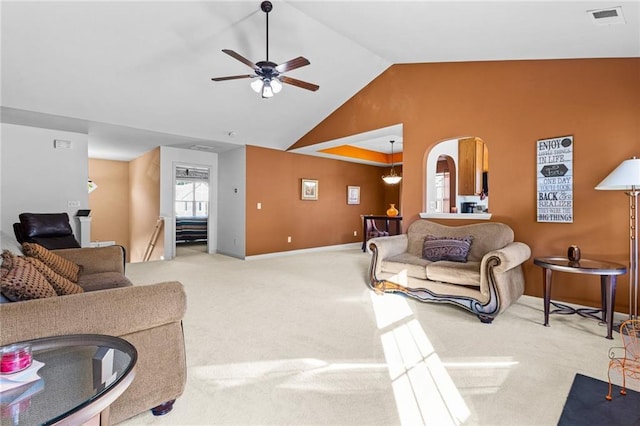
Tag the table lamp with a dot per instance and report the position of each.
(626, 177)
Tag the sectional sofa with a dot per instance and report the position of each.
(148, 316)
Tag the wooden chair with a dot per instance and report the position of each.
(373, 231)
(628, 362)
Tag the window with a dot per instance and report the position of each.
(192, 198)
(443, 197)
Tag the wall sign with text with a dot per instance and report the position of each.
(555, 180)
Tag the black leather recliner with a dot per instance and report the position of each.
(51, 230)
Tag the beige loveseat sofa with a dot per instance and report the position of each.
(486, 284)
(148, 316)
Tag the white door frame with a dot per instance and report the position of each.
(211, 247)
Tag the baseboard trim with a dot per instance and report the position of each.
(348, 246)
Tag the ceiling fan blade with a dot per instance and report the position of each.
(292, 64)
(299, 83)
(232, 77)
(241, 59)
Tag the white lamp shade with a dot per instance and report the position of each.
(625, 177)
(392, 179)
(267, 91)
(276, 85)
(256, 85)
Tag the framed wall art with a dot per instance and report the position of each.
(353, 195)
(555, 180)
(309, 189)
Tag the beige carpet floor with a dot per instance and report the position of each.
(300, 340)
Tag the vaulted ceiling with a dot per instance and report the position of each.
(136, 75)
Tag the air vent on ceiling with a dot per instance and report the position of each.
(609, 16)
(203, 148)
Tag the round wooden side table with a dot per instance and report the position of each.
(608, 272)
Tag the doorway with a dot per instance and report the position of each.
(445, 185)
(191, 209)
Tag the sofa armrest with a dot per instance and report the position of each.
(511, 255)
(501, 277)
(384, 247)
(389, 246)
(96, 259)
(114, 312)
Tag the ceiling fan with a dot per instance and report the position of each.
(268, 75)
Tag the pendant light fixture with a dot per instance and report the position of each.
(392, 178)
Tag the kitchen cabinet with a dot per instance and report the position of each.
(472, 162)
(485, 159)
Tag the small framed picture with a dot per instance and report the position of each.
(309, 189)
(353, 195)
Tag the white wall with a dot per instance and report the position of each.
(35, 177)
(169, 159)
(449, 148)
(232, 189)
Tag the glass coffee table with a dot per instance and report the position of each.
(608, 271)
(81, 377)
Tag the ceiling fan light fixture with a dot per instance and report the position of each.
(267, 87)
(267, 90)
(276, 85)
(256, 85)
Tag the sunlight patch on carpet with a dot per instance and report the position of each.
(480, 375)
(300, 374)
(500, 362)
(423, 390)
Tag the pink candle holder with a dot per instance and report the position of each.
(15, 358)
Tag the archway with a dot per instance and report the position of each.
(467, 161)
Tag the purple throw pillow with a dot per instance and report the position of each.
(454, 249)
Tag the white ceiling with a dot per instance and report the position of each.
(135, 75)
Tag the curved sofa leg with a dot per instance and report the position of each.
(163, 408)
(485, 319)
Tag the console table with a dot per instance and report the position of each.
(74, 388)
(397, 220)
(608, 272)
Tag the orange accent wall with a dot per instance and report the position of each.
(144, 204)
(109, 203)
(511, 105)
(363, 154)
(274, 180)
